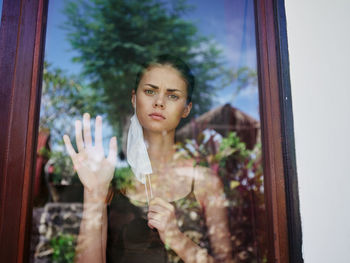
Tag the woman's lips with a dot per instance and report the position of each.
(157, 116)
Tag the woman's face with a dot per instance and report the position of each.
(161, 99)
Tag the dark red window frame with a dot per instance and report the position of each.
(22, 43)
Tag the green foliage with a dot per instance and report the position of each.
(63, 167)
(240, 170)
(243, 77)
(122, 178)
(232, 146)
(114, 37)
(210, 153)
(63, 248)
(63, 99)
(44, 152)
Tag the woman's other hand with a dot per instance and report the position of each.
(161, 215)
(94, 170)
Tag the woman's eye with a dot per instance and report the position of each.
(174, 97)
(148, 91)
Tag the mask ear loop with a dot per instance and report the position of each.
(150, 188)
(150, 185)
(148, 177)
(146, 191)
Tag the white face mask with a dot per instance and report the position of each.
(136, 153)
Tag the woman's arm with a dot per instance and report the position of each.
(210, 193)
(189, 251)
(91, 245)
(95, 171)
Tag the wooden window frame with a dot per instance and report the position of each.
(22, 44)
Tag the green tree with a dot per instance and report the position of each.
(244, 77)
(114, 37)
(63, 246)
(64, 99)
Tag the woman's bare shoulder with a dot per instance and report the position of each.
(183, 162)
(206, 176)
(207, 181)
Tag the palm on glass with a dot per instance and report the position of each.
(95, 171)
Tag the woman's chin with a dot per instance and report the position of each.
(157, 129)
(156, 126)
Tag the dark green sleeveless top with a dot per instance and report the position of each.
(130, 240)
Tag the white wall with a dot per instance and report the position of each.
(319, 52)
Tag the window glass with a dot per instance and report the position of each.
(0, 9)
(179, 180)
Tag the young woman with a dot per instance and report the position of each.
(186, 219)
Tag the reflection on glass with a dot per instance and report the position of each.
(0, 10)
(179, 181)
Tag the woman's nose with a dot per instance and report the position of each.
(159, 101)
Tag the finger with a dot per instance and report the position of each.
(150, 225)
(155, 216)
(113, 148)
(87, 130)
(69, 146)
(163, 203)
(155, 224)
(79, 136)
(98, 132)
(155, 208)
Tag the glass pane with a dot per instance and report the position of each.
(0, 10)
(186, 180)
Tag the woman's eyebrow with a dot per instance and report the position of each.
(152, 86)
(156, 87)
(172, 90)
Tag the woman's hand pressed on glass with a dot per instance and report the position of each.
(94, 170)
